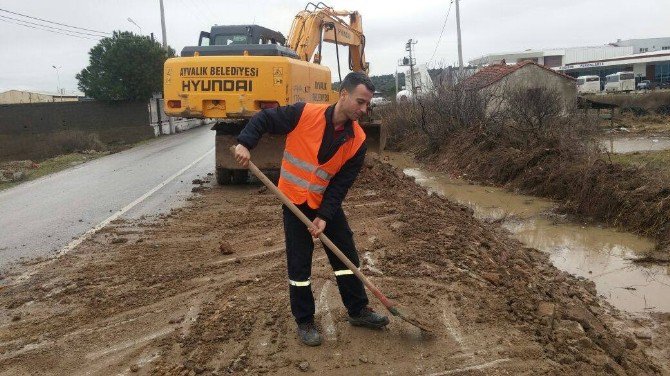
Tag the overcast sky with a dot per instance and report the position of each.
(488, 26)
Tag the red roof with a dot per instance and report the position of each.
(495, 72)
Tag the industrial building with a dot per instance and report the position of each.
(648, 58)
(22, 96)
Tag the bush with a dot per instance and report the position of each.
(663, 110)
(635, 110)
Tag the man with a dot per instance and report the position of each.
(325, 149)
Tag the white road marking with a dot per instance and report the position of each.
(73, 244)
(76, 242)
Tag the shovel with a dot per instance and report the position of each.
(389, 304)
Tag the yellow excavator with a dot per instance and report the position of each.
(238, 70)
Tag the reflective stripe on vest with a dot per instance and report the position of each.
(302, 182)
(343, 272)
(299, 283)
(306, 166)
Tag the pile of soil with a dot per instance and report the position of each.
(203, 290)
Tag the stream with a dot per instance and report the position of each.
(598, 253)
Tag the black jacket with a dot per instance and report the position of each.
(282, 120)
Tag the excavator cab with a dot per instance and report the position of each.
(236, 40)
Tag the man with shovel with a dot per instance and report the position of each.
(325, 149)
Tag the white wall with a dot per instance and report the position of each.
(582, 54)
(640, 70)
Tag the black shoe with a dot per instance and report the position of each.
(369, 319)
(308, 334)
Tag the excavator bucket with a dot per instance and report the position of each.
(375, 132)
(375, 135)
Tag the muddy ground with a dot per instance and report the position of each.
(204, 291)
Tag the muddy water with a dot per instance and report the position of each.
(621, 145)
(593, 252)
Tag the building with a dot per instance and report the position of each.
(21, 96)
(649, 58)
(652, 66)
(494, 81)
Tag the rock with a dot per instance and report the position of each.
(176, 320)
(546, 309)
(119, 240)
(630, 343)
(18, 175)
(134, 368)
(363, 359)
(197, 181)
(374, 241)
(225, 248)
(268, 242)
(397, 225)
(303, 366)
(568, 329)
(494, 278)
(583, 316)
(643, 334)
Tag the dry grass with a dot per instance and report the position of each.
(52, 165)
(655, 162)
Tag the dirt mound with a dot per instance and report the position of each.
(172, 303)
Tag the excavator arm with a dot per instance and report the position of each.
(312, 27)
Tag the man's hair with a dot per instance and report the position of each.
(353, 79)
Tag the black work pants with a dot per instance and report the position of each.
(299, 249)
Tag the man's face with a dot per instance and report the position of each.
(356, 103)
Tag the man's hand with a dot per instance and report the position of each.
(242, 155)
(318, 225)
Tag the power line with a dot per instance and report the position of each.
(441, 32)
(51, 31)
(52, 27)
(53, 22)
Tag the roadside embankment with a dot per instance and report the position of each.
(555, 156)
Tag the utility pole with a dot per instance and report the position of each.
(396, 81)
(58, 88)
(165, 46)
(458, 32)
(408, 47)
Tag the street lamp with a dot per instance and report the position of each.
(135, 23)
(58, 88)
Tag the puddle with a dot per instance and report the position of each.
(622, 145)
(588, 251)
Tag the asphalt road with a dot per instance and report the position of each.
(51, 214)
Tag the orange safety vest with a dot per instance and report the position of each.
(302, 179)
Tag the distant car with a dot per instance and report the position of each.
(644, 85)
(378, 99)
